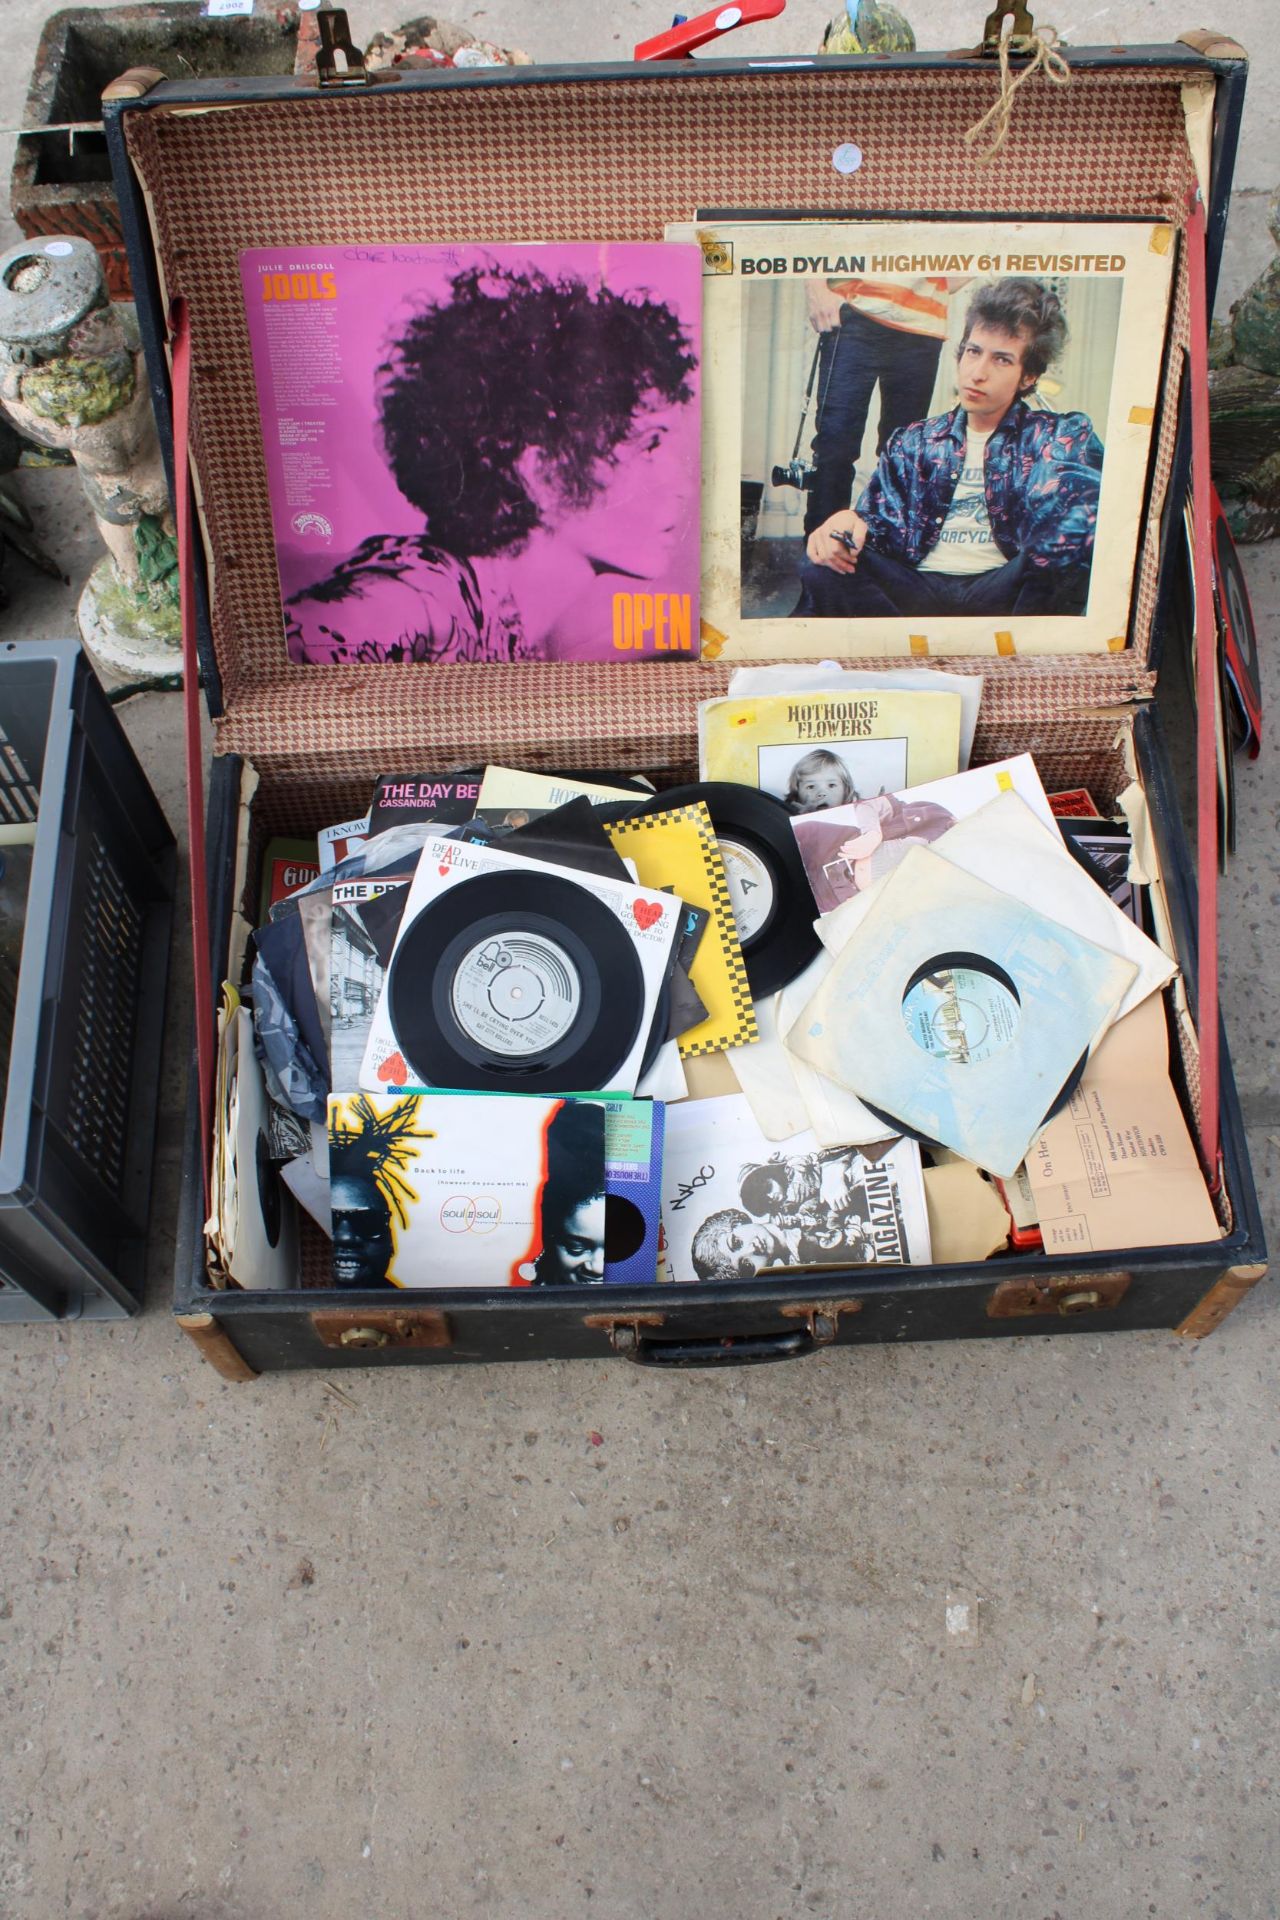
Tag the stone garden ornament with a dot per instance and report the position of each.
(72, 378)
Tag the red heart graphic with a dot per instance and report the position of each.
(646, 912)
(394, 1070)
(442, 871)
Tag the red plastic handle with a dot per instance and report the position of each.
(680, 41)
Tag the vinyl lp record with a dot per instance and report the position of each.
(500, 986)
(773, 907)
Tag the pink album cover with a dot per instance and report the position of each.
(481, 453)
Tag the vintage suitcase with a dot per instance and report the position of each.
(206, 169)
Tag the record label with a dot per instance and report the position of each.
(751, 888)
(961, 1014)
(502, 979)
(769, 892)
(515, 996)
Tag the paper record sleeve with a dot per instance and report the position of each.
(866, 1023)
(502, 979)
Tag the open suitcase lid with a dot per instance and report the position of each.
(207, 169)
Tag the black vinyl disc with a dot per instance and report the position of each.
(500, 986)
(773, 904)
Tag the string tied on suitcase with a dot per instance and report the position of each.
(1040, 47)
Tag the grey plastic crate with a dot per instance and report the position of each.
(83, 968)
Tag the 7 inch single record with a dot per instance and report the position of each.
(500, 985)
(961, 1010)
(768, 888)
(992, 1009)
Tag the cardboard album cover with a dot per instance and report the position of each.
(454, 1190)
(928, 437)
(815, 751)
(481, 453)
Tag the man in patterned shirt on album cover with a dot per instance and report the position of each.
(988, 510)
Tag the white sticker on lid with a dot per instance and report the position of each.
(847, 158)
(58, 248)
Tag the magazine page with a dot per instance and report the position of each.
(481, 453)
(735, 1204)
(926, 437)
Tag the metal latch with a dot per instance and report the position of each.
(822, 1320)
(372, 1328)
(993, 32)
(339, 61)
(623, 1330)
(1077, 1293)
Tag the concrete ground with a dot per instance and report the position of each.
(419, 1646)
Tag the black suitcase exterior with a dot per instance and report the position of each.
(617, 150)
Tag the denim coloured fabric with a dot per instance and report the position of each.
(1043, 472)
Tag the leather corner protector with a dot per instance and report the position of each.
(1212, 44)
(133, 83)
(1222, 1298)
(214, 1344)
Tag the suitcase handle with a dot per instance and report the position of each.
(727, 1350)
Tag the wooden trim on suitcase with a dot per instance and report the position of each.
(1222, 1298)
(215, 1345)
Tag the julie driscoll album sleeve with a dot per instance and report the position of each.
(481, 453)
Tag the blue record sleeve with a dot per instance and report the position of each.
(633, 1137)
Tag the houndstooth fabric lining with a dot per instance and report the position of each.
(633, 717)
(566, 160)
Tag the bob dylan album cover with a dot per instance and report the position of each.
(937, 432)
(481, 453)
